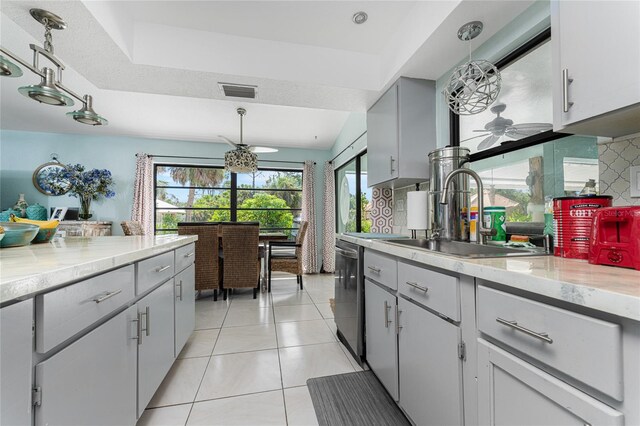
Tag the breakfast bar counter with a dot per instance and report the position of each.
(33, 269)
(603, 288)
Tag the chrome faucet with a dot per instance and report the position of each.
(481, 231)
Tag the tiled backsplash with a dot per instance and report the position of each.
(615, 159)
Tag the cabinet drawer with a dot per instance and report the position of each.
(62, 313)
(154, 271)
(587, 349)
(185, 257)
(434, 290)
(381, 268)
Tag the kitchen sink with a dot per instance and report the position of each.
(466, 250)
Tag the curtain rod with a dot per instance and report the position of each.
(347, 147)
(219, 158)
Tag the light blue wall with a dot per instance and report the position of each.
(352, 133)
(22, 152)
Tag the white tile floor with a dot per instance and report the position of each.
(248, 361)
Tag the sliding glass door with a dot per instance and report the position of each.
(353, 198)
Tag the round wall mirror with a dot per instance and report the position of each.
(44, 182)
(344, 200)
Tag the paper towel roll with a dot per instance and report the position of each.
(417, 210)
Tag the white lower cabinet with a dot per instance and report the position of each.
(16, 322)
(156, 341)
(430, 367)
(93, 380)
(381, 337)
(185, 301)
(514, 392)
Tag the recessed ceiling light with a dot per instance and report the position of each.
(360, 17)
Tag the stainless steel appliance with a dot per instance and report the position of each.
(349, 297)
(446, 221)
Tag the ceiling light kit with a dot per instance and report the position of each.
(360, 17)
(240, 159)
(50, 91)
(474, 85)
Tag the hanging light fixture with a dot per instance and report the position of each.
(240, 159)
(475, 85)
(50, 91)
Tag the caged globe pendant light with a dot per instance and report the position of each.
(240, 159)
(50, 91)
(475, 85)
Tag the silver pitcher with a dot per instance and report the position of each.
(448, 221)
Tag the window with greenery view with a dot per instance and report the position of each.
(353, 198)
(210, 194)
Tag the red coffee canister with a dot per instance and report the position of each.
(572, 222)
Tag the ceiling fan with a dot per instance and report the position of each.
(501, 126)
(256, 149)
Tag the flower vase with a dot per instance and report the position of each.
(85, 207)
(21, 206)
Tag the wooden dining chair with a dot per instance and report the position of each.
(206, 259)
(287, 260)
(240, 256)
(132, 227)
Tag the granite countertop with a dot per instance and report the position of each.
(604, 288)
(29, 270)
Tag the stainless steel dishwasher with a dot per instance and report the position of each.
(349, 297)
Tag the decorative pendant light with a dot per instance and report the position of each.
(50, 91)
(240, 159)
(475, 85)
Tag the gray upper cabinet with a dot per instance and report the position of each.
(401, 131)
(597, 46)
(16, 322)
(92, 381)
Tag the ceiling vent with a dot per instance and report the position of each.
(238, 90)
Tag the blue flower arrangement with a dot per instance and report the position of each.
(83, 183)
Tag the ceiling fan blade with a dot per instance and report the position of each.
(527, 129)
(262, 149)
(476, 137)
(486, 143)
(229, 141)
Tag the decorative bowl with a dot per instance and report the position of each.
(44, 235)
(18, 234)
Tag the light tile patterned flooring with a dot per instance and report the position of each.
(248, 361)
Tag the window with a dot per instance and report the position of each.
(272, 197)
(351, 185)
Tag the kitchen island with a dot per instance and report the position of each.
(520, 340)
(90, 326)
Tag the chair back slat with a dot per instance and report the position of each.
(241, 264)
(300, 238)
(206, 259)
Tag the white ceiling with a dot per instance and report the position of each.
(153, 66)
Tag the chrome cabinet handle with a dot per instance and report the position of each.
(374, 269)
(387, 321)
(189, 254)
(138, 322)
(180, 294)
(391, 164)
(513, 324)
(147, 322)
(107, 295)
(565, 90)
(398, 326)
(162, 268)
(417, 287)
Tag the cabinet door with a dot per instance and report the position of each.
(430, 369)
(598, 43)
(382, 138)
(92, 381)
(16, 347)
(513, 392)
(185, 306)
(381, 338)
(156, 348)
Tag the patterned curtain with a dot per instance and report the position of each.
(309, 249)
(143, 197)
(329, 225)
